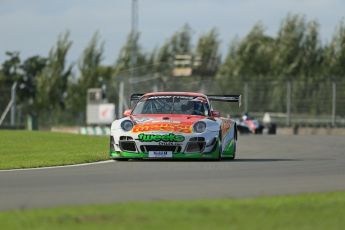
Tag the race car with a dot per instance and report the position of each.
(249, 125)
(174, 125)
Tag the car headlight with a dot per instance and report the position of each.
(127, 125)
(199, 127)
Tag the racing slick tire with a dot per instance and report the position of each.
(272, 129)
(259, 130)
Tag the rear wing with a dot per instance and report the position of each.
(225, 98)
(136, 96)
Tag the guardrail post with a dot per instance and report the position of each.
(13, 107)
(288, 103)
(245, 97)
(121, 99)
(334, 102)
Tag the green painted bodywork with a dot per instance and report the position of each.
(228, 152)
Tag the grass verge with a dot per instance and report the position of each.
(308, 211)
(25, 149)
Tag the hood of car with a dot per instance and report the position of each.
(179, 123)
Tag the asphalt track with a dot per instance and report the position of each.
(266, 165)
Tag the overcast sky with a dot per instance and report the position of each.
(32, 26)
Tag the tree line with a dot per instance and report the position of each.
(49, 85)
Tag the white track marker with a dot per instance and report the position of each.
(56, 167)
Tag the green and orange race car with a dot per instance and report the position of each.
(174, 125)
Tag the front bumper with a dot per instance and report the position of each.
(206, 145)
(195, 146)
(143, 155)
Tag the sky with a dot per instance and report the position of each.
(32, 26)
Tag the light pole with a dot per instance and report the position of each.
(134, 34)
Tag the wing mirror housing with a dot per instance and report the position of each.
(215, 113)
(127, 112)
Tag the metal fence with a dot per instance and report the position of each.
(288, 102)
(8, 106)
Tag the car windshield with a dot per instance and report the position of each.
(173, 104)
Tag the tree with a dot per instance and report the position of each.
(123, 63)
(25, 75)
(91, 75)
(251, 57)
(307, 85)
(312, 58)
(335, 53)
(180, 42)
(9, 73)
(288, 58)
(249, 62)
(164, 60)
(10, 70)
(334, 63)
(52, 83)
(208, 51)
(31, 68)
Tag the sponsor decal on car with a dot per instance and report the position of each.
(158, 138)
(225, 127)
(163, 126)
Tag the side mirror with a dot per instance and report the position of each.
(215, 113)
(127, 112)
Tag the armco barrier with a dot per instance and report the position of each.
(94, 130)
(311, 131)
(88, 130)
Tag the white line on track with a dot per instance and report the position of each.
(56, 167)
